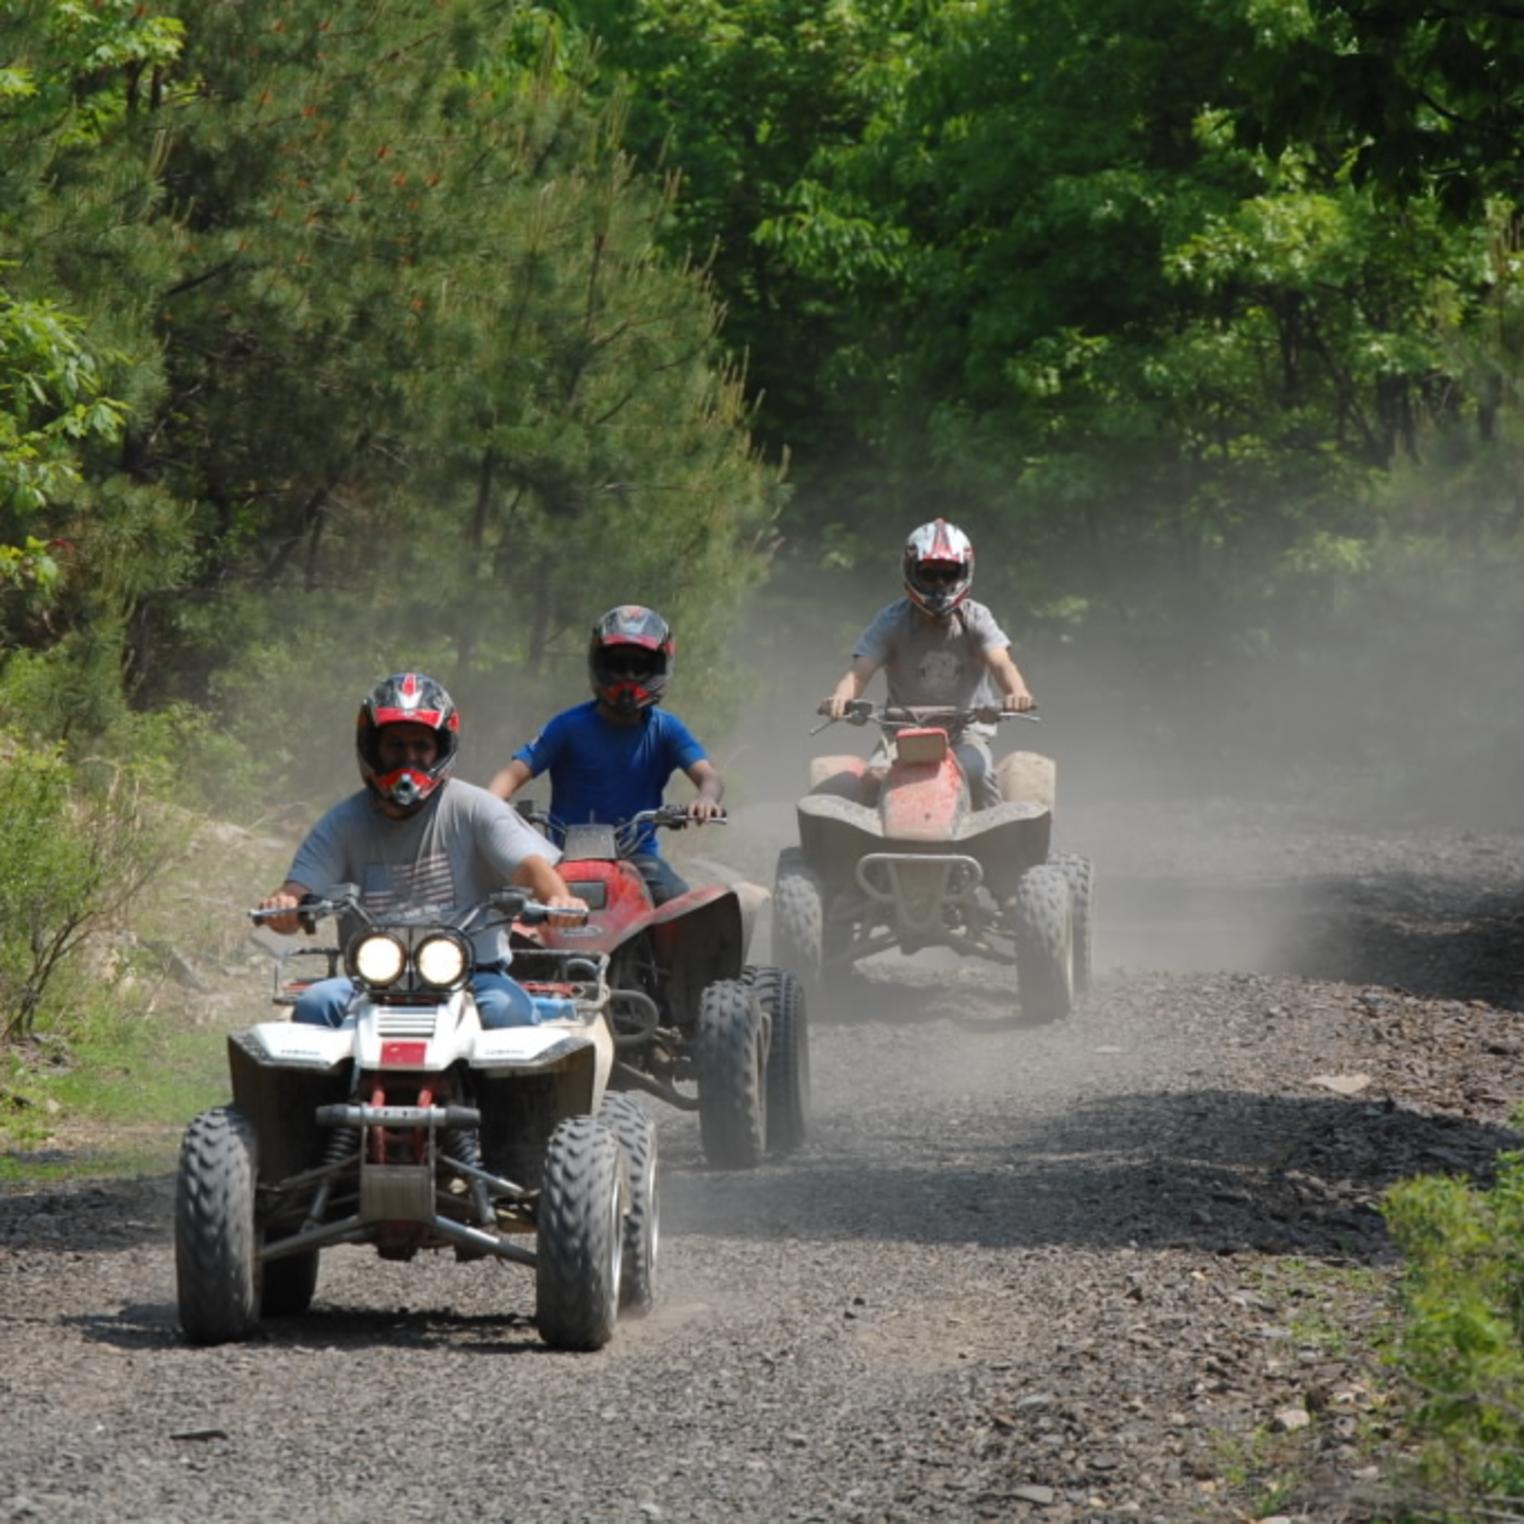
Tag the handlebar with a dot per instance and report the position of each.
(344, 899)
(671, 817)
(864, 712)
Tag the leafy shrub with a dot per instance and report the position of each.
(76, 846)
(1463, 1343)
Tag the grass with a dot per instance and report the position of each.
(126, 1056)
(111, 1101)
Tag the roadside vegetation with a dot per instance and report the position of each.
(337, 338)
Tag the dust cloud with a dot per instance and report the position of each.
(1239, 781)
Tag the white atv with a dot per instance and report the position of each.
(412, 1127)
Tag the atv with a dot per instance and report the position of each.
(693, 1023)
(410, 1127)
(896, 858)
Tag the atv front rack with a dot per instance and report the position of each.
(919, 886)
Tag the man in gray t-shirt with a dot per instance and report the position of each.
(938, 648)
(415, 839)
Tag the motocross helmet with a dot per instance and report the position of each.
(406, 698)
(939, 567)
(630, 658)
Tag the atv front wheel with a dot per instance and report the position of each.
(629, 1121)
(781, 996)
(732, 1075)
(217, 1278)
(1080, 872)
(579, 1245)
(1044, 943)
(799, 918)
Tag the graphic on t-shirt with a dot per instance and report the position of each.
(426, 884)
(941, 672)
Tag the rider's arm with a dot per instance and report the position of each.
(507, 782)
(711, 789)
(1014, 694)
(851, 687)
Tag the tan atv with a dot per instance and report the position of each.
(898, 858)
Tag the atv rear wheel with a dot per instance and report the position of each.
(1080, 872)
(781, 996)
(732, 1075)
(799, 941)
(217, 1278)
(629, 1121)
(288, 1285)
(580, 1239)
(1044, 943)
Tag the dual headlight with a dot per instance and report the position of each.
(380, 959)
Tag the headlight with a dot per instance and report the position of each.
(440, 961)
(379, 959)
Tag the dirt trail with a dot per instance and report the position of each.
(1060, 1273)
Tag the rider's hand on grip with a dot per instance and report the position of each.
(566, 910)
(706, 812)
(832, 707)
(278, 911)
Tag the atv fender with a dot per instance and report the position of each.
(838, 776)
(281, 1100)
(699, 937)
(1028, 777)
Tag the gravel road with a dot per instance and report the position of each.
(1076, 1272)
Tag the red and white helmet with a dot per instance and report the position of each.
(629, 658)
(406, 698)
(939, 567)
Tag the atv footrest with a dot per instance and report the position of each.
(919, 885)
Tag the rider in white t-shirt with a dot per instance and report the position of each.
(939, 648)
(414, 838)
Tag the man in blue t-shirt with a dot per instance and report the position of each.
(610, 759)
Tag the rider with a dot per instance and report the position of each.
(940, 649)
(415, 838)
(611, 758)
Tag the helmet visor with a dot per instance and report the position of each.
(631, 662)
(940, 576)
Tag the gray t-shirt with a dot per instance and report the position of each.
(935, 661)
(450, 855)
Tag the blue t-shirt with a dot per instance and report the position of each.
(606, 773)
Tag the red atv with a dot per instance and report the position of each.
(898, 858)
(685, 1004)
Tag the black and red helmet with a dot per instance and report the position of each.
(406, 698)
(939, 567)
(630, 657)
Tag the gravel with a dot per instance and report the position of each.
(1057, 1273)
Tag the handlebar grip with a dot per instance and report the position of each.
(535, 914)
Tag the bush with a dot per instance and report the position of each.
(1463, 1343)
(76, 846)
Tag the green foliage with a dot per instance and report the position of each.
(1463, 1341)
(341, 340)
(75, 847)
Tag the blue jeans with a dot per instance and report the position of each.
(660, 876)
(978, 766)
(501, 1002)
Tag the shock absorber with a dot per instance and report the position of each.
(339, 1147)
(465, 1144)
